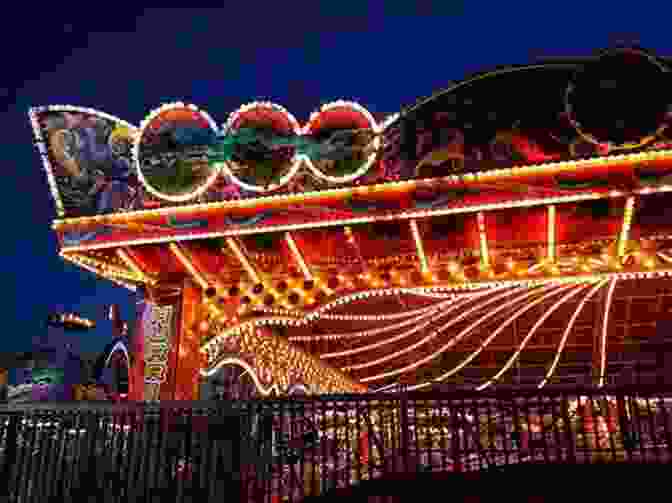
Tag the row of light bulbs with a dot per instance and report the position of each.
(406, 215)
(515, 171)
(253, 301)
(113, 277)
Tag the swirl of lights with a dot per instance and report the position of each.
(428, 311)
(454, 340)
(430, 319)
(212, 346)
(398, 337)
(136, 153)
(568, 328)
(489, 339)
(574, 291)
(296, 159)
(250, 370)
(438, 332)
(307, 129)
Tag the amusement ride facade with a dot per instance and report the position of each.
(508, 230)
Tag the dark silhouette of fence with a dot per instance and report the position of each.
(275, 450)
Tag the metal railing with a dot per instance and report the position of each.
(275, 450)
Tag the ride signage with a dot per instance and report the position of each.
(158, 326)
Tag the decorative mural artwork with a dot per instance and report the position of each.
(345, 142)
(462, 131)
(257, 148)
(171, 153)
(88, 160)
(97, 164)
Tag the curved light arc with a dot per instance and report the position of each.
(250, 370)
(576, 290)
(489, 339)
(568, 329)
(438, 309)
(455, 339)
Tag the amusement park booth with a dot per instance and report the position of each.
(511, 229)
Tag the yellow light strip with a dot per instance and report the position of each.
(483, 240)
(406, 215)
(73, 318)
(188, 265)
(75, 260)
(126, 258)
(568, 329)
(515, 171)
(573, 292)
(625, 228)
(605, 324)
(551, 234)
(233, 246)
(298, 257)
(105, 269)
(419, 249)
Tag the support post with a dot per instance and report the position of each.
(188, 361)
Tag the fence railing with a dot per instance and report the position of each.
(289, 449)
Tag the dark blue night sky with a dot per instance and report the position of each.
(298, 54)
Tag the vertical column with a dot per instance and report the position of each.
(136, 371)
(483, 241)
(188, 362)
(550, 229)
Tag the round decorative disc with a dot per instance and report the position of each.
(172, 153)
(621, 99)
